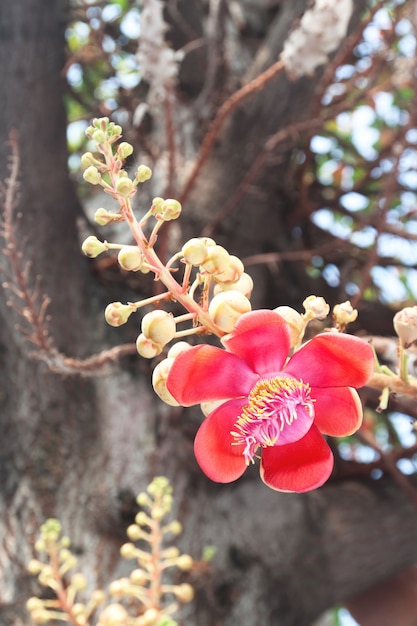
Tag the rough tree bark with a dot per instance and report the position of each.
(79, 449)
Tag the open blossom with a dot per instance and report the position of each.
(273, 408)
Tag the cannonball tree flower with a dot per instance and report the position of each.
(274, 408)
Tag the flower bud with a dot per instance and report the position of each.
(295, 322)
(103, 217)
(128, 551)
(226, 308)
(92, 175)
(344, 314)
(185, 562)
(99, 136)
(405, 324)
(195, 251)
(177, 348)
(143, 173)
(159, 326)
(217, 260)
(147, 348)
(125, 186)
(159, 381)
(78, 582)
(157, 204)
(117, 314)
(170, 210)
(316, 307)
(88, 159)
(138, 577)
(149, 618)
(233, 273)
(92, 247)
(244, 285)
(124, 150)
(184, 592)
(130, 258)
(113, 615)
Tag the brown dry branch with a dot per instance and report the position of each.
(27, 301)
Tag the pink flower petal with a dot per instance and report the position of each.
(298, 467)
(338, 411)
(208, 373)
(261, 338)
(218, 458)
(333, 360)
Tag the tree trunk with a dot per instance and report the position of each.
(79, 449)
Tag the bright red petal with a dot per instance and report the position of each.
(218, 458)
(208, 373)
(261, 338)
(338, 411)
(333, 360)
(298, 467)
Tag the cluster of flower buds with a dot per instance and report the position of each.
(60, 560)
(145, 582)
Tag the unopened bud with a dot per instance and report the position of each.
(177, 348)
(195, 251)
(233, 273)
(170, 210)
(143, 173)
(88, 159)
(159, 381)
(147, 348)
(344, 314)
(217, 260)
(125, 186)
(226, 308)
(128, 551)
(138, 577)
(124, 150)
(159, 326)
(295, 322)
(92, 247)
(244, 285)
(185, 562)
(117, 314)
(113, 615)
(130, 258)
(92, 175)
(78, 582)
(184, 592)
(149, 618)
(103, 217)
(316, 307)
(157, 204)
(99, 136)
(405, 324)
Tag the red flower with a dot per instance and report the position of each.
(272, 405)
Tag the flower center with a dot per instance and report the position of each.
(273, 404)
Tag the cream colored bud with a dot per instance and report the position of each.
(184, 592)
(233, 273)
(185, 562)
(124, 150)
(316, 307)
(134, 532)
(226, 308)
(78, 582)
(138, 577)
(92, 247)
(147, 348)
(149, 617)
(88, 159)
(195, 251)
(295, 322)
(143, 173)
(33, 604)
(344, 313)
(103, 217)
(117, 314)
(125, 187)
(157, 204)
(217, 260)
(113, 615)
(92, 175)
(159, 326)
(244, 285)
(177, 348)
(170, 210)
(159, 381)
(405, 324)
(130, 258)
(34, 566)
(209, 406)
(128, 551)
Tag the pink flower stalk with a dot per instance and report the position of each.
(273, 408)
